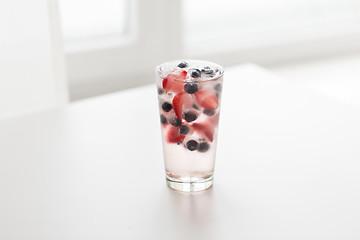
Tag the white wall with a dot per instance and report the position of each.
(32, 73)
(159, 32)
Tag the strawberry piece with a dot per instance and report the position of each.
(206, 129)
(173, 135)
(165, 84)
(177, 74)
(180, 100)
(173, 82)
(177, 105)
(207, 99)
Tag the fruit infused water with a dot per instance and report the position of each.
(189, 94)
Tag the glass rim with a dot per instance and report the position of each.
(158, 70)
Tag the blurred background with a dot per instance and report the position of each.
(112, 45)
(115, 44)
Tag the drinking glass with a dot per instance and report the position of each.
(189, 93)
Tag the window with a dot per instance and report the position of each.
(115, 44)
(89, 23)
(255, 23)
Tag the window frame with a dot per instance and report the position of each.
(128, 63)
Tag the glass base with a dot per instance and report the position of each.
(189, 184)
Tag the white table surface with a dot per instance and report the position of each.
(287, 167)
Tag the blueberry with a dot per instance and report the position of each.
(209, 112)
(163, 119)
(160, 91)
(203, 147)
(195, 106)
(192, 145)
(183, 65)
(167, 106)
(190, 116)
(195, 73)
(207, 70)
(218, 87)
(191, 88)
(184, 130)
(175, 122)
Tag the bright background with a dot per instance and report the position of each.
(55, 50)
(115, 44)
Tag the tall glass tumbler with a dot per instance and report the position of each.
(189, 94)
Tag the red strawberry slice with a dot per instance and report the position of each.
(173, 135)
(165, 84)
(206, 129)
(177, 74)
(179, 101)
(173, 82)
(207, 99)
(177, 104)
